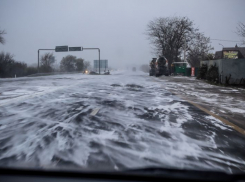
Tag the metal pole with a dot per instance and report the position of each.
(185, 51)
(99, 61)
(38, 61)
(99, 56)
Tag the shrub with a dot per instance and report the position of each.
(9, 67)
(202, 72)
(213, 74)
(31, 70)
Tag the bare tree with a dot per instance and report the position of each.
(86, 65)
(241, 31)
(210, 56)
(170, 35)
(68, 63)
(2, 40)
(72, 63)
(47, 62)
(6, 62)
(198, 49)
(79, 64)
(11, 68)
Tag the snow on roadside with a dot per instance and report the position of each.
(218, 123)
(209, 94)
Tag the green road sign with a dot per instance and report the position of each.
(75, 48)
(61, 49)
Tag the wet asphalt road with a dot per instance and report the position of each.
(46, 122)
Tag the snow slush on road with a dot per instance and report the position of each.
(137, 124)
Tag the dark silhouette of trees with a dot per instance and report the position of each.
(2, 40)
(241, 31)
(198, 49)
(209, 56)
(79, 64)
(170, 36)
(68, 63)
(47, 62)
(31, 70)
(71, 63)
(6, 62)
(86, 65)
(11, 68)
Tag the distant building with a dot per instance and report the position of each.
(231, 65)
(230, 53)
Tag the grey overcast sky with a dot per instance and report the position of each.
(115, 26)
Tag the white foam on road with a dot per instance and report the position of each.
(139, 124)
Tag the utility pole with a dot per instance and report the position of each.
(221, 45)
(184, 51)
(99, 60)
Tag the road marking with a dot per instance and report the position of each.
(237, 128)
(94, 112)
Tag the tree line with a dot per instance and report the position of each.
(9, 67)
(67, 64)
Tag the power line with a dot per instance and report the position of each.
(226, 40)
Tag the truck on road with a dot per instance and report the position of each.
(159, 67)
(152, 70)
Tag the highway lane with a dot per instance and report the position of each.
(47, 122)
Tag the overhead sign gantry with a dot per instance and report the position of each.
(66, 48)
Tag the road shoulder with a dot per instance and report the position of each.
(224, 103)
